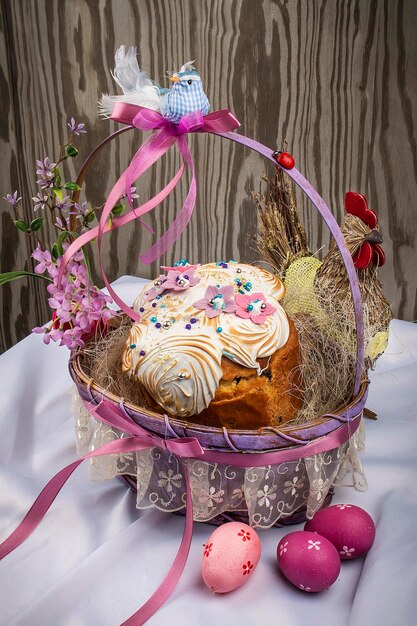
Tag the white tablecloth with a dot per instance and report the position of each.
(95, 559)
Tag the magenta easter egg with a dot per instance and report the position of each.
(230, 557)
(308, 561)
(349, 528)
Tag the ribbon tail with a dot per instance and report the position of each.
(147, 206)
(38, 509)
(181, 221)
(83, 239)
(48, 494)
(148, 154)
(161, 595)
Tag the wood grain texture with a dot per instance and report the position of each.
(336, 78)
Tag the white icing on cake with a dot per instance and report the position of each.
(175, 350)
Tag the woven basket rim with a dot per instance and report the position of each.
(288, 428)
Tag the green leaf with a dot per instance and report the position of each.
(21, 225)
(57, 176)
(62, 236)
(118, 209)
(36, 224)
(71, 151)
(91, 216)
(58, 192)
(59, 242)
(7, 277)
(54, 251)
(72, 186)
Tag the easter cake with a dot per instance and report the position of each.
(215, 346)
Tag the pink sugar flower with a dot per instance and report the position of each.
(157, 288)
(180, 279)
(253, 307)
(217, 300)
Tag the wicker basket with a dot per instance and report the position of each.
(220, 439)
(287, 437)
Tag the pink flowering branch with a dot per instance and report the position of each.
(78, 308)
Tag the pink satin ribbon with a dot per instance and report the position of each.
(166, 135)
(184, 448)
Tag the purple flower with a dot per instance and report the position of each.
(94, 303)
(40, 201)
(80, 274)
(133, 194)
(52, 288)
(48, 333)
(62, 224)
(72, 338)
(75, 128)
(46, 173)
(83, 321)
(45, 260)
(78, 256)
(80, 209)
(217, 300)
(12, 199)
(65, 204)
(180, 279)
(65, 302)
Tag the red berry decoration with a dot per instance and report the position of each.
(284, 159)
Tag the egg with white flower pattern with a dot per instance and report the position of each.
(308, 560)
(230, 557)
(349, 528)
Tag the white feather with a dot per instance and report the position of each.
(137, 87)
(187, 66)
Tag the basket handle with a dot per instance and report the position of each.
(321, 207)
(334, 228)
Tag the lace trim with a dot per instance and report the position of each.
(269, 493)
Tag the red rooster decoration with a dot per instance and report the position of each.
(321, 289)
(363, 239)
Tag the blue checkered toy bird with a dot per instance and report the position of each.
(185, 96)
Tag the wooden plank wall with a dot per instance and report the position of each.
(336, 78)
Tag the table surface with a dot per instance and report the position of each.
(95, 559)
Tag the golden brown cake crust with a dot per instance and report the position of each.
(247, 401)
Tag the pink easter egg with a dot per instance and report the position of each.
(308, 561)
(230, 557)
(349, 528)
